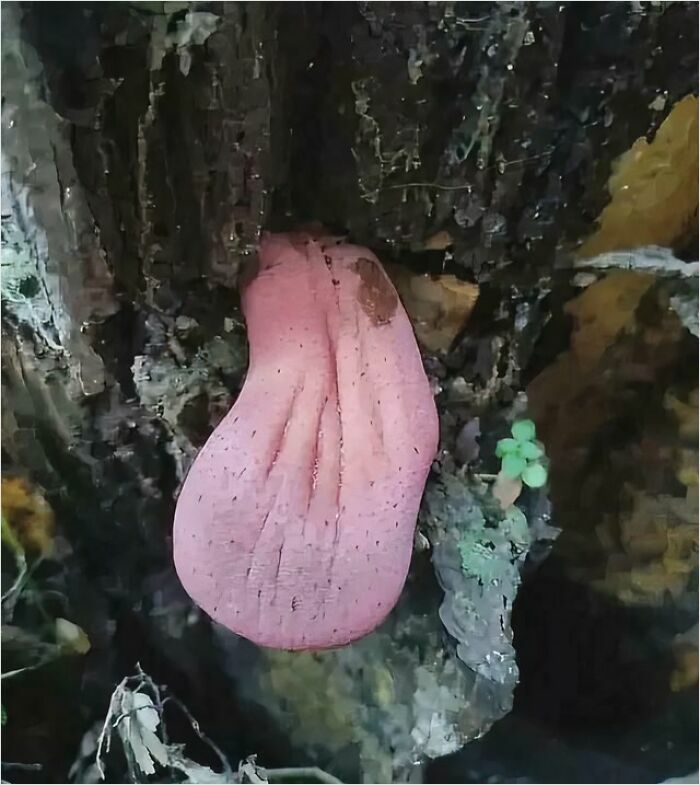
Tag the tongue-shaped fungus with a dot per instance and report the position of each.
(294, 527)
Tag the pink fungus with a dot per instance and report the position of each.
(294, 527)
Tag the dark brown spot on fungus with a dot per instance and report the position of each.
(376, 294)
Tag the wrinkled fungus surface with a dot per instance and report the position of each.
(294, 527)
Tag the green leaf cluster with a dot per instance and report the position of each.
(522, 456)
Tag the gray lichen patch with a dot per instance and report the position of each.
(477, 555)
(192, 30)
(187, 390)
(55, 277)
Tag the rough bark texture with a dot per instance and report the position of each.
(145, 145)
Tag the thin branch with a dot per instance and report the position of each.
(22, 766)
(442, 187)
(45, 660)
(105, 737)
(305, 774)
(437, 186)
(195, 727)
(14, 590)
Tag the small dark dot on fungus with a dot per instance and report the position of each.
(259, 592)
(377, 542)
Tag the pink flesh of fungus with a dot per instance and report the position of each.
(294, 527)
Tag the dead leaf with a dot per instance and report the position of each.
(249, 771)
(467, 445)
(439, 241)
(576, 381)
(28, 515)
(506, 490)
(138, 731)
(650, 551)
(653, 188)
(71, 637)
(438, 307)
(603, 311)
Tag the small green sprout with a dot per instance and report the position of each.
(521, 456)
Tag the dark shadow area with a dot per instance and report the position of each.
(593, 703)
